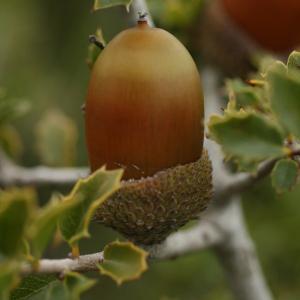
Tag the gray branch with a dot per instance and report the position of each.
(12, 174)
(84, 263)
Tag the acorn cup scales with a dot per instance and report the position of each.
(144, 112)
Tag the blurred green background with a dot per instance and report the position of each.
(43, 47)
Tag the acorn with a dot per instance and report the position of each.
(274, 25)
(144, 113)
(232, 33)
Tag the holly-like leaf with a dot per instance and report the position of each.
(56, 136)
(284, 175)
(284, 91)
(246, 136)
(242, 94)
(48, 287)
(88, 193)
(34, 287)
(76, 284)
(16, 206)
(8, 278)
(100, 4)
(123, 261)
(43, 228)
(93, 50)
(294, 60)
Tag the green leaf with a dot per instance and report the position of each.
(76, 284)
(10, 141)
(43, 228)
(48, 287)
(16, 206)
(8, 278)
(88, 193)
(100, 4)
(11, 108)
(294, 60)
(34, 287)
(56, 136)
(285, 99)
(246, 136)
(284, 175)
(93, 50)
(123, 261)
(242, 94)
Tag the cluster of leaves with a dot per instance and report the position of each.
(56, 133)
(261, 121)
(26, 230)
(10, 109)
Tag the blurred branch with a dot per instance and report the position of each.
(236, 252)
(12, 174)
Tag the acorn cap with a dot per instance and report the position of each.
(147, 210)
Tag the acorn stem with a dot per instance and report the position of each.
(142, 18)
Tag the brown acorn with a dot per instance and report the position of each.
(144, 112)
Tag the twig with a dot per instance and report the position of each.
(12, 174)
(238, 257)
(84, 263)
(139, 7)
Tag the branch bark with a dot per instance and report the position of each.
(238, 257)
(12, 174)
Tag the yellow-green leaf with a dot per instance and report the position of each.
(294, 60)
(10, 141)
(16, 206)
(43, 228)
(123, 261)
(8, 278)
(34, 287)
(284, 175)
(76, 284)
(56, 136)
(242, 95)
(88, 194)
(285, 99)
(100, 4)
(246, 136)
(48, 287)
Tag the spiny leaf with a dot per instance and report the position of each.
(48, 287)
(100, 4)
(8, 278)
(88, 193)
(43, 228)
(284, 175)
(123, 261)
(16, 206)
(56, 139)
(34, 287)
(284, 91)
(246, 136)
(242, 94)
(76, 284)
(294, 60)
